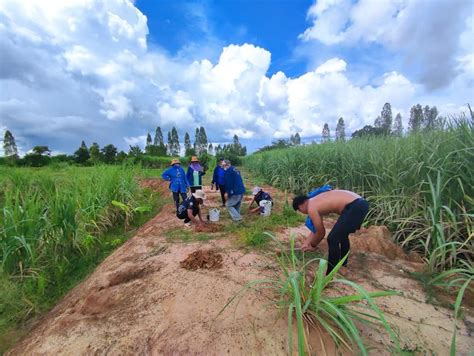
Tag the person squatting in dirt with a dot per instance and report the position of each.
(194, 174)
(259, 196)
(178, 182)
(234, 190)
(191, 207)
(218, 179)
(352, 210)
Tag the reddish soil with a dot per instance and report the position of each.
(141, 301)
(205, 259)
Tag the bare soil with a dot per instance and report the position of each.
(206, 259)
(141, 300)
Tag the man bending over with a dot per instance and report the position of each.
(352, 209)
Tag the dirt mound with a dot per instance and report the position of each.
(211, 227)
(207, 259)
(155, 184)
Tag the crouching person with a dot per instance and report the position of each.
(191, 207)
(259, 196)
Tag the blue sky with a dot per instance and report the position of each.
(110, 71)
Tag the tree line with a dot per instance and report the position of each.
(155, 148)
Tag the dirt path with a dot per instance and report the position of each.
(144, 300)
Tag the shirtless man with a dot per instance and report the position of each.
(352, 209)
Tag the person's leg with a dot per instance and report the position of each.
(238, 205)
(222, 190)
(183, 196)
(336, 238)
(176, 199)
(354, 217)
(230, 204)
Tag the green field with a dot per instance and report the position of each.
(420, 186)
(56, 225)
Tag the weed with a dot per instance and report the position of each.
(313, 309)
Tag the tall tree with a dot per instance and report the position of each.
(82, 154)
(158, 140)
(197, 140)
(397, 129)
(148, 139)
(326, 133)
(42, 150)
(169, 146)
(386, 118)
(94, 153)
(416, 118)
(430, 118)
(135, 151)
(203, 140)
(297, 139)
(210, 149)
(110, 152)
(187, 145)
(9, 146)
(340, 130)
(176, 147)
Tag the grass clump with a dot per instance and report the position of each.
(56, 225)
(304, 298)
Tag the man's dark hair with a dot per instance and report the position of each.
(297, 201)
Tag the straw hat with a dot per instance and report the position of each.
(194, 159)
(199, 194)
(175, 161)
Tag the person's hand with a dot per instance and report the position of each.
(306, 246)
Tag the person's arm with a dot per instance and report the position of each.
(253, 199)
(200, 216)
(192, 217)
(313, 239)
(166, 175)
(189, 174)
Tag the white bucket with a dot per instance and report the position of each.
(214, 214)
(267, 207)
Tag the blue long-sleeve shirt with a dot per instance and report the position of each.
(233, 182)
(177, 178)
(218, 175)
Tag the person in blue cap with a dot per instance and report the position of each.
(178, 183)
(352, 210)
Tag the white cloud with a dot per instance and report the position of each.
(82, 70)
(332, 66)
(417, 30)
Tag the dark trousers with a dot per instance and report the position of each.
(197, 187)
(184, 216)
(222, 190)
(349, 221)
(176, 196)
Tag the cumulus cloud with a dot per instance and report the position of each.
(76, 70)
(425, 33)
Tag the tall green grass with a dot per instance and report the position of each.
(55, 225)
(420, 186)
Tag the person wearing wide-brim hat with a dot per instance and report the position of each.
(178, 182)
(191, 207)
(194, 174)
(259, 196)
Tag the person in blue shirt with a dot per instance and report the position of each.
(234, 188)
(178, 183)
(218, 179)
(258, 196)
(194, 174)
